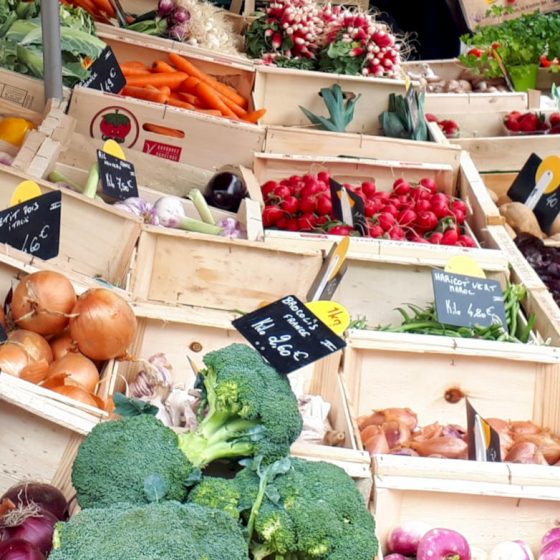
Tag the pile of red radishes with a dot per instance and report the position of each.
(410, 212)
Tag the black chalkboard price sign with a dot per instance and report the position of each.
(467, 301)
(118, 178)
(105, 73)
(288, 335)
(34, 225)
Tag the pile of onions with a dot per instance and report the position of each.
(59, 334)
(395, 431)
(28, 522)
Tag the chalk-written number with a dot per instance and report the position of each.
(478, 313)
(33, 245)
(118, 183)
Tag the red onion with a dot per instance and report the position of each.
(404, 538)
(46, 496)
(18, 549)
(511, 550)
(551, 535)
(551, 551)
(395, 556)
(443, 544)
(36, 528)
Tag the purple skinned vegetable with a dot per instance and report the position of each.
(178, 31)
(551, 551)
(551, 535)
(165, 8)
(395, 556)
(512, 550)
(443, 544)
(404, 538)
(180, 15)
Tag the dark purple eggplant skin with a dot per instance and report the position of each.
(545, 260)
(225, 190)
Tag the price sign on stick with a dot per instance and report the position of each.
(33, 226)
(118, 178)
(105, 73)
(483, 440)
(288, 335)
(466, 301)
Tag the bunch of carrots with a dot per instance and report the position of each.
(180, 83)
(100, 10)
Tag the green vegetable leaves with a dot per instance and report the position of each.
(405, 117)
(125, 406)
(341, 111)
(155, 488)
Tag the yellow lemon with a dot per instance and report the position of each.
(14, 129)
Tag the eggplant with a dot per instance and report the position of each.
(225, 190)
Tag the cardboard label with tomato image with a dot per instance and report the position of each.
(538, 186)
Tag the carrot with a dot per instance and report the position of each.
(189, 98)
(134, 71)
(173, 81)
(212, 100)
(162, 66)
(134, 64)
(105, 6)
(188, 67)
(237, 109)
(254, 116)
(165, 90)
(164, 130)
(212, 112)
(189, 85)
(144, 93)
(87, 5)
(180, 104)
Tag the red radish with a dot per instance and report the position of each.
(290, 204)
(466, 241)
(431, 118)
(443, 544)
(324, 176)
(398, 181)
(308, 204)
(426, 221)
(368, 188)
(397, 233)
(375, 231)
(429, 184)
(406, 217)
(450, 237)
(324, 205)
(306, 222)
(404, 538)
(282, 191)
(435, 238)
(554, 119)
(271, 215)
(391, 209)
(402, 188)
(340, 230)
(268, 188)
(386, 221)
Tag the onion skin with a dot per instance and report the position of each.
(446, 446)
(104, 325)
(36, 529)
(13, 359)
(18, 549)
(61, 344)
(41, 302)
(526, 453)
(377, 443)
(404, 538)
(45, 496)
(512, 550)
(551, 551)
(78, 370)
(395, 432)
(76, 393)
(34, 344)
(551, 535)
(441, 544)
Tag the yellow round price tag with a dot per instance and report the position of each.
(334, 315)
(25, 191)
(461, 264)
(113, 149)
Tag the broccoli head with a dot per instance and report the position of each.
(248, 409)
(217, 493)
(312, 510)
(116, 458)
(165, 530)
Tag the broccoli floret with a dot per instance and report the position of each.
(217, 493)
(165, 530)
(116, 458)
(248, 409)
(313, 511)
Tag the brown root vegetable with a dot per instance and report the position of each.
(494, 196)
(503, 429)
(377, 443)
(465, 86)
(396, 433)
(526, 453)
(369, 431)
(521, 219)
(504, 199)
(446, 446)
(547, 445)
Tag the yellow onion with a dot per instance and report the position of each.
(76, 393)
(102, 324)
(42, 301)
(74, 369)
(34, 344)
(61, 344)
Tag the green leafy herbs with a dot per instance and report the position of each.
(404, 117)
(341, 110)
(126, 406)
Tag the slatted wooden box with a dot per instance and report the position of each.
(281, 91)
(103, 247)
(198, 139)
(192, 332)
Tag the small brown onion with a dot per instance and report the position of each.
(369, 431)
(35, 372)
(42, 301)
(377, 443)
(450, 447)
(374, 419)
(396, 433)
(428, 432)
(104, 324)
(527, 427)
(34, 344)
(61, 344)
(526, 453)
(76, 393)
(13, 358)
(404, 416)
(547, 445)
(77, 370)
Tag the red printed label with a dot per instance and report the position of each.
(165, 151)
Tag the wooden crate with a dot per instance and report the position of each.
(95, 239)
(486, 502)
(503, 380)
(463, 102)
(483, 136)
(281, 91)
(192, 332)
(179, 268)
(51, 407)
(457, 176)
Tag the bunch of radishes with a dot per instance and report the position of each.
(448, 126)
(531, 122)
(357, 39)
(410, 212)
